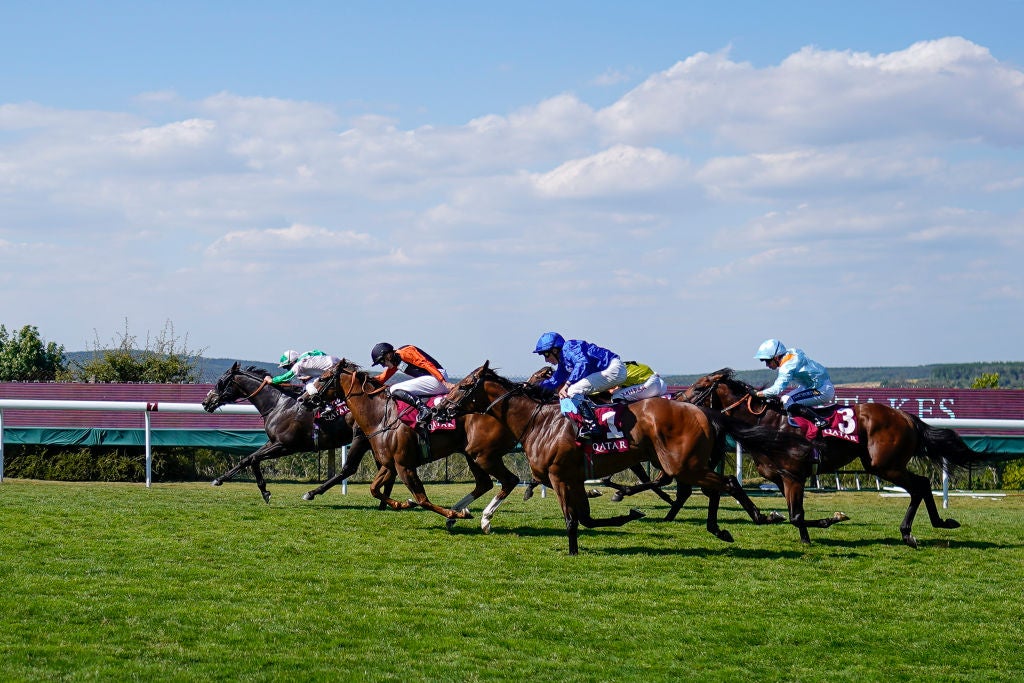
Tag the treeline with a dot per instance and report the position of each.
(1008, 375)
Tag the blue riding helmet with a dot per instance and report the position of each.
(548, 341)
(770, 348)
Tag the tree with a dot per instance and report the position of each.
(165, 359)
(24, 357)
(986, 380)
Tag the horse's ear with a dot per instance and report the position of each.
(235, 367)
(486, 365)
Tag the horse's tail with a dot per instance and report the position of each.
(942, 445)
(766, 441)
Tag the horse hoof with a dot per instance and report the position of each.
(594, 493)
(776, 518)
(266, 497)
(450, 523)
(464, 514)
(485, 526)
(307, 496)
(840, 516)
(617, 497)
(910, 540)
(951, 524)
(636, 514)
(216, 482)
(725, 536)
(527, 494)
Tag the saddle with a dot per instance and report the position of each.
(407, 414)
(611, 437)
(842, 424)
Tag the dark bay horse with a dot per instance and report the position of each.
(888, 440)
(483, 441)
(289, 425)
(684, 440)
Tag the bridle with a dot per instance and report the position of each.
(334, 379)
(234, 381)
(708, 394)
(517, 389)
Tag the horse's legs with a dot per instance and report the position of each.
(733, 487)
(359, 447)
(483, 485)
(380, 488)
(683, 494)
(714, 498)
(921, 489)
(494, 464)
(645, 485)
(415, 486)
(271, 449)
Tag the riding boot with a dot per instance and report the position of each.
(589, 429)
(423, 413)
(800, 410)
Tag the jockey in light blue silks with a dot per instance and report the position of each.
(581, 368)
(812, 385)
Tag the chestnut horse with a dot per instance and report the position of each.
(888, 439)
(684, 440)
(289, 425)
(482, 439)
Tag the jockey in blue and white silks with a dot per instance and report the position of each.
(581, 368)
(812, 386)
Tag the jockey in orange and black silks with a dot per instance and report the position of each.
(428, 377)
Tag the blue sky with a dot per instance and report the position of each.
(675, 181)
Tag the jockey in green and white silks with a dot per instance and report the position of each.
(812, 386)
(306, 367)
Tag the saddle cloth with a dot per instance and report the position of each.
(842, 424)
(613, 438)
(407, 414)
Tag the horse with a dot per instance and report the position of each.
(289, 425)
(481, 439)
(887, 440)
(684, 440)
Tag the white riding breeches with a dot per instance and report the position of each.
(654, 386)
(611, 376)
(427, 385)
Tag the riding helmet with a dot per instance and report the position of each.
(379, 351)
(287, 358)
(770, 348)
(548, 341)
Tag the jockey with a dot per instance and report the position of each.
(306, 368)
(813, 387)
(641, 382)
(581, 368)
(428, 377)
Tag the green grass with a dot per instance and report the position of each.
(188, 582)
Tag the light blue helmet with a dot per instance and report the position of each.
(770, 348)
(548, 341)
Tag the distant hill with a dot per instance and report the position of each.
(954, 375)
(957, 375)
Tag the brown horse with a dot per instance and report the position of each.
(482, 439)
(684, 440)
(888, 439)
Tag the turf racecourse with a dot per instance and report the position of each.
(188, 582)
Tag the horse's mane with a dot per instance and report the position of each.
(526, 388)
(348, 366)
(253, 370)
(728, 376)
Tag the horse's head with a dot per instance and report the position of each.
(715, 390)
(541, 375)
(479, 391)
(336, 383)
(722, 390)
(224, 391)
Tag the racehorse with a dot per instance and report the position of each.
(887, 439)
(289, 425)
(481, 439)
(683, 439)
